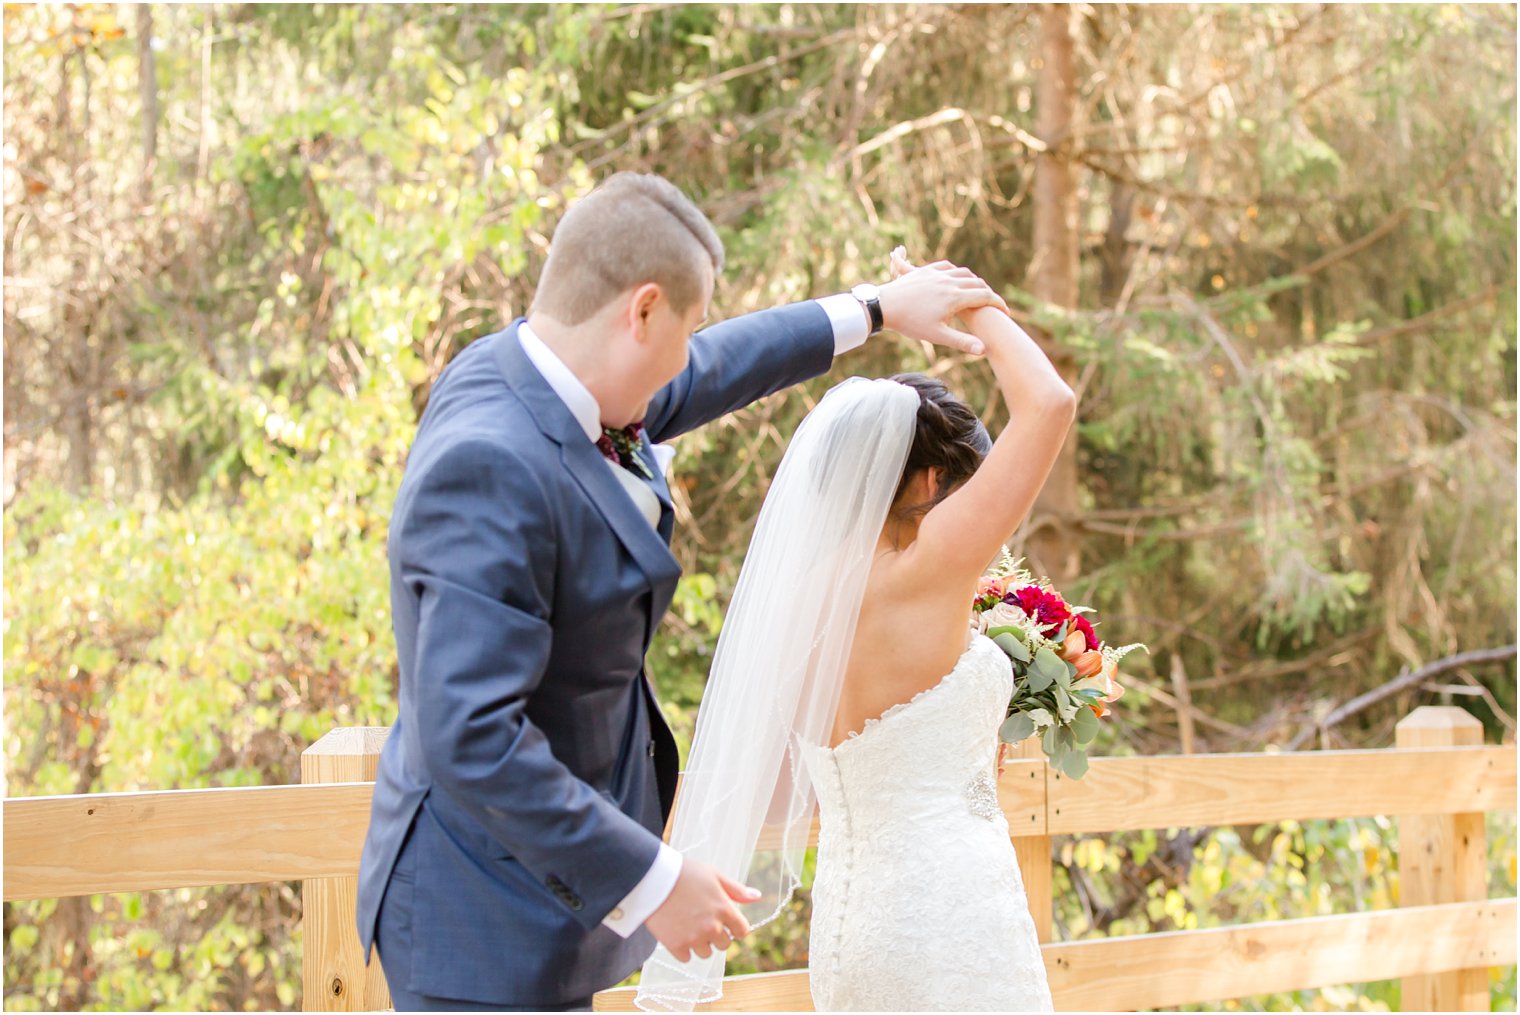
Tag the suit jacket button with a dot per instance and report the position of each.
(573, 901)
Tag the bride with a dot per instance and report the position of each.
(847, 681)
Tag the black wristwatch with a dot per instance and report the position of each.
(870, 298)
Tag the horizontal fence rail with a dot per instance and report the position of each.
(1198, 966)
(189, 838)
(130, 842)
(1120, 794)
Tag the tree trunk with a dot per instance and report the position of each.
(1054, 548)
(78, 423)
(147, 87)
(1118, 258)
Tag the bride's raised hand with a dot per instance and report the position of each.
(920, 302)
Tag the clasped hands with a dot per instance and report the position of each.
(920, 302)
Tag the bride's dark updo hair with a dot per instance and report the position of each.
(948, 436)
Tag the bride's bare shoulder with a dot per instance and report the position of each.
(912, 574)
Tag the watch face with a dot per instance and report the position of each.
(865, 291)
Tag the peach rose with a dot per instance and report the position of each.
(1089, 662)
(1074, 645)
(986, 585)
(1111, 674)
(1105, 682)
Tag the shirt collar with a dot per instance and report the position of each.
(580, 401)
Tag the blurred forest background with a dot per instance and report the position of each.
(1272, 245)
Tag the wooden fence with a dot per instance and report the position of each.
(1439, 780)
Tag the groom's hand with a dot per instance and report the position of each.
(920, 302)
(701, 913)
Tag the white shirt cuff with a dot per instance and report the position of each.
(851, 329)
(664, 454)
(648, 895)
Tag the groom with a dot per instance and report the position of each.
(514, 859)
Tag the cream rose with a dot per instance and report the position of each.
(1001, 615)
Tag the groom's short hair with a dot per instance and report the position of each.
(634, 228)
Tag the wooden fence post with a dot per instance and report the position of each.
(1033, 851)
(1442, 858)
(333, 974)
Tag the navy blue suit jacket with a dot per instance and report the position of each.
(529, 771)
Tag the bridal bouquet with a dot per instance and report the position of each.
(1064, 677)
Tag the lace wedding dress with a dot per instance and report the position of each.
(917, 903)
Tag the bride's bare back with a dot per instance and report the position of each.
(908, 637)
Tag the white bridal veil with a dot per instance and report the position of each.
(746, 803)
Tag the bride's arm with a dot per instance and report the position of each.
(960, 535)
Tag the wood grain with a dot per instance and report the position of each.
(1443, 858)
(132, 842)
(334, 973)
(121, 842)
(1200, 966)
(1023, 789)
(1227, 789)
(1195, 967)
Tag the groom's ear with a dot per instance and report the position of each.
(641, 306)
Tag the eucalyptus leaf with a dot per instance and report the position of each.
(1011, 645)
(1049, 666)
(1011, 629)
(1016, 727)
(1065, 707)
(1084, 726)
(1073, 763)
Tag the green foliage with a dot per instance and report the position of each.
(206, 642)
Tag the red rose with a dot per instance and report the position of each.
(1026, 599)
(1046, 607)
(1082, 625)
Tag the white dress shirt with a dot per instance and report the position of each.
(851, 329)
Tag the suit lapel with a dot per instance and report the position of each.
(588, 468)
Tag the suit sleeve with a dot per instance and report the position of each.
(476, 548)
(738, 361)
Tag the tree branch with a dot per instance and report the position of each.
(706, 84)
(1426, 319)
(1402, 682)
